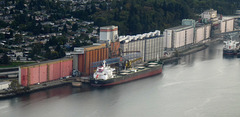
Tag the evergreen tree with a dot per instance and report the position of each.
(5, 59)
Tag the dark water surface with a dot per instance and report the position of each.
(203, 84)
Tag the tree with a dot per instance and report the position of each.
(2, 36)
(20, 4)
(3, 24)
(93, 39)
(14, 85)
(61, 40)
(65, 30)
(53, 41)
(18, 38)
(77, 42)
(75, 27)
(5, 59)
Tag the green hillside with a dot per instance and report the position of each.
(139, 16)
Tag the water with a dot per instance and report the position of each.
(203, 84)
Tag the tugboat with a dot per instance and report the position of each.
(104, 75)
(230, 47)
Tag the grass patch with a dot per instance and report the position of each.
(15, 64)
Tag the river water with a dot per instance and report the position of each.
(204, 84)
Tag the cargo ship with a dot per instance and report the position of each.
(105, 76)
(230, 47)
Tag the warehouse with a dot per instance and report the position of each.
(178, 37)
(45, 71)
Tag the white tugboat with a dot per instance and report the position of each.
(230, 47)
(104, 72)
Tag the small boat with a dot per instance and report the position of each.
(76, 84)
(230, 47)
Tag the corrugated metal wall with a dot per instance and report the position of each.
(66, 68)
(47, 71)
(93, 55)
(199, 34)
(24, 76)
(179, 39)
(43, 73)
(115, 49)
(168, 35)
(229, 25)
(223, 27)
(150, 48)
(208, 31)
(33, 75)
(75, 61)
(50, 72)
(189, 36)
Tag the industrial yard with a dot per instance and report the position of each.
(187, 38)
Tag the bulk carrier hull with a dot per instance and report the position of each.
(129, 77)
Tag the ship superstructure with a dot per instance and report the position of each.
(104, 72)
(230, 47)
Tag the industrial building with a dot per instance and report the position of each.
(4, 85)
(178, 37)
(108, 47)
(45, 71)
(83, 57)
(226, 25)
(150, 45)
(202, 32)
(210, 15)
(109, 33)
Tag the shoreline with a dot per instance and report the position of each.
(5, 94)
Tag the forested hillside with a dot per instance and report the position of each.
(139, 16)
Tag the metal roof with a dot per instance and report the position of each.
(45, 62)
(180, 28)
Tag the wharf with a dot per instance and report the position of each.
(193, 50)
(184, 52)
(24, 90)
